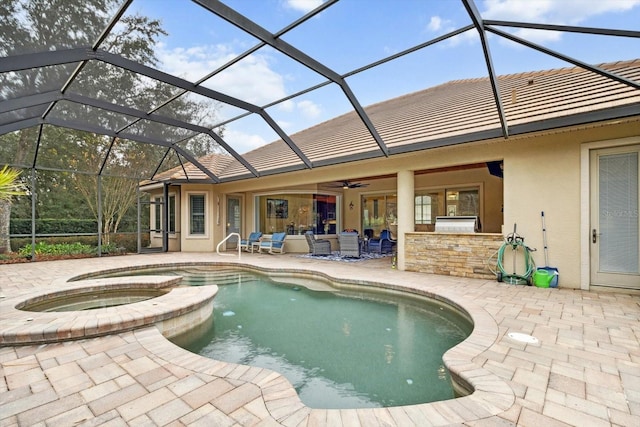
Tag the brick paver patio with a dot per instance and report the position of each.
(583, 371)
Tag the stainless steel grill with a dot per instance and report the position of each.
(457, 224)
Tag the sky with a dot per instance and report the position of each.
(355, 33)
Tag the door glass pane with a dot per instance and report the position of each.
(233, 221)
(618, 215)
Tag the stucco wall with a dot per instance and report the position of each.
(541, 173)
(213, 228)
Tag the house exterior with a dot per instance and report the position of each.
(572, 152)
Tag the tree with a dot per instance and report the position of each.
(9, 188)
(41, 25)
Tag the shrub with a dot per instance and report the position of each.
(43, 248)
(53, 226)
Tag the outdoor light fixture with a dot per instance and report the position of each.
(351, 206)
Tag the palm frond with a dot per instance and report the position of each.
(9, 184)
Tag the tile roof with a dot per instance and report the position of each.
(452, 109)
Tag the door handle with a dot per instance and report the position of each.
(594, 236)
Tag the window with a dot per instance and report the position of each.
(297, 213)
(379, 212)
(172, 214)
(159, 209)
(446, 202)
(196, 214)
(424, 207)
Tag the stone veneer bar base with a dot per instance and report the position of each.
(452, 254)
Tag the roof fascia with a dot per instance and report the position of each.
(566, 58)
(613, 113)
(350, 158)
(620, 112)
(232, 16)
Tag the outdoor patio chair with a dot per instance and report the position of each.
(383, 244)
(349, 244)
(247, 244)
(275, 244)
(317, 246)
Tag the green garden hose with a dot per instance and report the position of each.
(515, 242)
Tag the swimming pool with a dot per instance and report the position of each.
(343, 347)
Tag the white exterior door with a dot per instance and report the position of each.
(615, 223)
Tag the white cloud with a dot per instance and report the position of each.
(251, 79)
(565, 12)
(195, 62)
(303, 5)
(243, 142)
(435, 23)
(309, 109)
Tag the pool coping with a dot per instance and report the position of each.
(491, 395)
(171, 312)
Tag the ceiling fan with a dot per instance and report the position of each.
(347, 185)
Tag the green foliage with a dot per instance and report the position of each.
(44, 248)
(119, 241)
(54, 226)
(9, 184)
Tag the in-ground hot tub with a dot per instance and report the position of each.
(91, 308)
(90, 299)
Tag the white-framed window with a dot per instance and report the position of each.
(197, 214)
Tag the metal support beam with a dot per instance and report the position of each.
(44, 59)
(34, 196)
(21, 124)
(566, 58)
(132, 66)
(564, 28)
(108, 106)
(165, 217)
(478, 23)
(250, 27)
(29, 101)
(101, 131)
(99, 201)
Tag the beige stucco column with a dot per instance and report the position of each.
(405, 211)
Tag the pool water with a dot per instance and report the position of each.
(339, 349)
